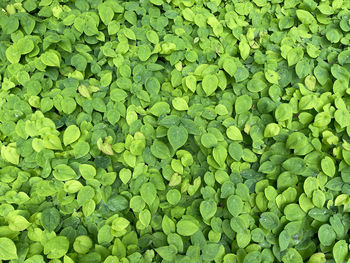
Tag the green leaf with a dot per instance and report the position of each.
(13, 54)
(294, 164)
(317, 257)
(144, 52)
(191, 83)
(305, 17)
(342, 117)
(186, 227)
(295, 55)
(8, 249)
(85, 194)
(209, 140)
(104, 235)
(235, 150)
(18, 223)
(322, 119)
(80, 149)
(160, 150)
(284, 240)
(118, 95)
(160, 108)
(208, 209)
(210, 83)
(177, 136)
(148, 193)
(318, 198)
(180, 104)
(244, 49)
(63, 172)
(71, 134)
(9, 154)
(166, 252)
(283, 112)
(234, 134)
(229, 66)
(234, 205)
(272, 76)
(152, 37)
(321, 74)
(292, 256)
(56, 247)
(173, 196)
(271, 130)
(333, 35)
(79, 62)
(269, 220)
(293, 212)
(50, 58)
(220, 155)
(328, 166)
(168, 225)
(344, 57)
(50, 218)
(106, 13)
(243, 104)
(25, 45)
(326, 235)
(241, 74)
(210, 251)
(340, 251)
(82, 244)
(303, 68)
(125, 175)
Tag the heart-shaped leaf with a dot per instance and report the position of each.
(177, 136)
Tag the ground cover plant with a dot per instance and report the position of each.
(174, 131)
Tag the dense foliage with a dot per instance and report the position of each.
(180, 131)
